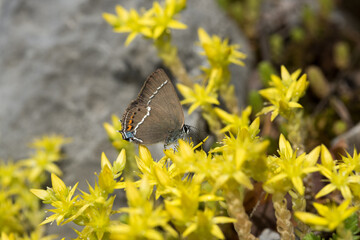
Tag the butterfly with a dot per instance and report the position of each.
(156, 114)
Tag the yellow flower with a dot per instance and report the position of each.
(199, 96)
(11, 236)
(144, 220)
(352, 162)
(51, 143)
(219, 53)
(60, 197)
(42, 161)
(163, 18)
(204, 225)
(119, 163)
(284, 93)
(177, 5)
(47, 154)
(330, 216)
(159, 173)
(241, 157)
(234, 122)
(243, 152)
(152, 24)
(341, 177)
(227, 172)
(288, 169)
(183, 202)
(130, 21)
(184, 156)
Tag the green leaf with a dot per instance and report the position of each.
(351, 223)
(311, 236)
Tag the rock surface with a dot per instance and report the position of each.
(63, 70)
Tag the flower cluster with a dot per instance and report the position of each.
(198, 187)
(343, 175)
(288, 170)
(198, 97)
(91, 210)
(219, 53)
(284, 93)
(331, 217)
(20, 209)
(152, 23)
(143, 218)
(192, 183)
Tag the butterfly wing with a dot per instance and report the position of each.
(155, 113)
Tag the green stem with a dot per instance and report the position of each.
(296, 130)
(343, 233)
(228, 95)
(296, 134)
(213, 121)
(299, 204)
(168, 53)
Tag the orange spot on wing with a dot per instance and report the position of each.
(130, 122)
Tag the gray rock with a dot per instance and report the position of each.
(349, 140)
(63, 70)
(268, 234)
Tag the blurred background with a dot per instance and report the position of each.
(63, 70)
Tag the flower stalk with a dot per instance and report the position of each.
(283, 217)
(234, 200)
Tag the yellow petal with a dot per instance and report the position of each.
(296, 74)
(215, 231)
(189, 230)
(40, 193)
(130, 38)
(223, 220)
(312, 157)
(58, 185)
(295, 105)
(121, 12)
(110, 18)
(298, 184)
(227, 117)
(193, 107)
(310, 218)
(242, 179)
(110, 130)
(184, 90)
(176, 24)
(325, 190)
(105, 161)
(285, 76)
(203, 36)
(120, 161)
(326, 158)
(158, 31)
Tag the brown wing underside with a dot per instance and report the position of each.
(155, 112)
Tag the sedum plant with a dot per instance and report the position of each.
(20, 210)
(190, 193)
